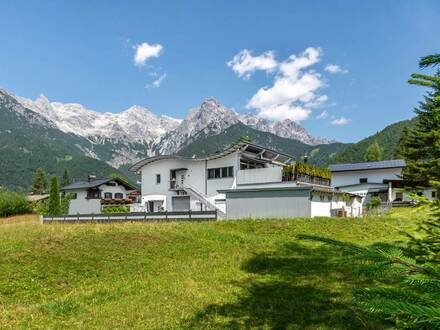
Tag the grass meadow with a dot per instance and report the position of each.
(210, 275)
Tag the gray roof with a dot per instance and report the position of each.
(394, 163)
(94, 184)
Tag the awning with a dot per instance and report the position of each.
(377, 190)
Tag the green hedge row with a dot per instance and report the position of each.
(12, 203)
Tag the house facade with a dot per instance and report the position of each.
(383, 179)
(175, 183)
(89, 197)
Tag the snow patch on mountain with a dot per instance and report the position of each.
(136, 123)
(126, 137)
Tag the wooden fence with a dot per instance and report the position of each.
(134, 216)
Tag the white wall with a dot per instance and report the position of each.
(340, 179)
(195, 177)
(260, 175)
(213, 185)
(82, 205)
(113, 189)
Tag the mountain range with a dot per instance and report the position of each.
(54, 135)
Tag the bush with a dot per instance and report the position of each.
(13, 203)
(374, 203)
(116, 209)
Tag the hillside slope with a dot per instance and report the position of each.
(29, 141)
(206, 145)
(388, 139)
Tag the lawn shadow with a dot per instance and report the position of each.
(294, 287)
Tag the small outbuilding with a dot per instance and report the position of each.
(290, 202)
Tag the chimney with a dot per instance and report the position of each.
(91, 178)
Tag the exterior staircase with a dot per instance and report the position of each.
(203, 199)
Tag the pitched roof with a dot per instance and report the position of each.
(242, 145)
(94, 184)
(394, 163)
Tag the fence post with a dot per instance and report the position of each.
(166, 215)
(189, 214)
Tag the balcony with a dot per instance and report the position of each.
(259, 175)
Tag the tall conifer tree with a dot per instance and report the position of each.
(39, 182)
(422, 148)
(54, 197)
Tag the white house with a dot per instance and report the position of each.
(380, 178)
(176, 183)
(88, 197)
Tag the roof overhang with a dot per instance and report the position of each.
(308, 188)
(249, 149)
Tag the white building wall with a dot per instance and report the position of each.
(213, 185)
(82, 205)
(113, 189)
(260, 175)
(340, 179)
(195, 177)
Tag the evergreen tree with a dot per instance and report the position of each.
(422, 149)
(413, 301)
(399, 150)
(54, 197)
(374, 152)
(65, 180)
(39, 182)
(422, 155)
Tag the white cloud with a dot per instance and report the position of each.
(340, 121)
(294, 92)
(146, 51)
(334, 68)
(244, 64)
(156, 83)
(322, 115)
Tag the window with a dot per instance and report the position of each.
(93, 194)
(221, 172)
(434, 194)
(73, 195)
(108, 195)
(119, 195)
(157, 178)
(363, 180)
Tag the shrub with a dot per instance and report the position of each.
(13, 203)
(116, 209)
(374, 203)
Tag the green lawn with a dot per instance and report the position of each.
(231, 274)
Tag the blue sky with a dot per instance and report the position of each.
(84, 51)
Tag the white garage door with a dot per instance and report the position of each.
(180, 203)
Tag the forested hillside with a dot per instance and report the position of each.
(209, 145)
(29, 142)
(388, 139)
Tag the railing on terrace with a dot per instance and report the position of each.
(312, 179)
